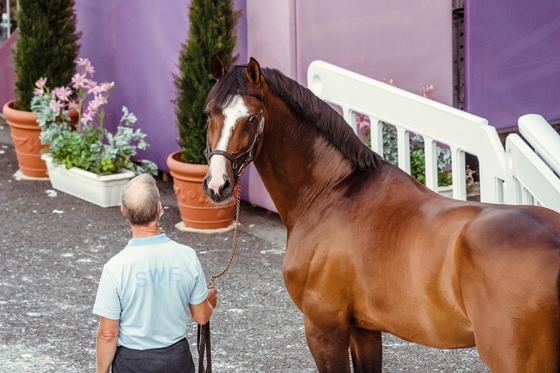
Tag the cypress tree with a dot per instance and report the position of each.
(212, 30)
(47, 46)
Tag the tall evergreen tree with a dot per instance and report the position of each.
(212, 30)
(47, 46)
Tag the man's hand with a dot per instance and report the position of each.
(212, 297)
(202, 312)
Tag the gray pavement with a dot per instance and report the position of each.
(53, 247)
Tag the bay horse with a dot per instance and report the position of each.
(370, 249)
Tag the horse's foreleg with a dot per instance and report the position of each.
(366, 348)
(329, 346)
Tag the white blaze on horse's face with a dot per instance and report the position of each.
(235, 110)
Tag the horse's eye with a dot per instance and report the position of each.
(252, 119)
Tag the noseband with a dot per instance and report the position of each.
(239, 162)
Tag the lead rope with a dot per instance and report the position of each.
(203, 333)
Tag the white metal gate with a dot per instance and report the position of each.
(513, 175)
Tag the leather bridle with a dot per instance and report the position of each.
(240, 161)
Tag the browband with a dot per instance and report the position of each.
(251, 93)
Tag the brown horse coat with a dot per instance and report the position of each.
(372, 250)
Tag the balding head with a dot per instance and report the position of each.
(140, 200)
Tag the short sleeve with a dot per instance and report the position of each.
(107, 302)
(200, 290)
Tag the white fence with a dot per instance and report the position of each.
(516, 176)
(531, 177)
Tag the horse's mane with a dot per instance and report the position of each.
(305, 104)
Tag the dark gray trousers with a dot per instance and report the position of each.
(176, 358)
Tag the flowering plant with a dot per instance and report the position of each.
(75, 130)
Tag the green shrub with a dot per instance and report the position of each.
(212, 30)
(47, 46)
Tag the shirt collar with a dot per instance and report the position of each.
(151, 240)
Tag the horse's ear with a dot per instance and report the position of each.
(218, 67)
(254, 72)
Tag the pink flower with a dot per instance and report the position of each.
(363, 122)
(427, 90)
(55, 107)
(62, 93)
(100, 100)
(93, 87)
(106, 86)
(97, 102)
(79, 81)
(389, 81)
(89, 69)
(87, 117)
(40, 84)
(82, 61)
(86, 64)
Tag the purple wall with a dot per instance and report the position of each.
(136, 44)
(7, 74)
(512, 60)
(409, 41)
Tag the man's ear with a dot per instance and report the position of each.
(122, 210)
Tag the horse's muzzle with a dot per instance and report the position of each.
(223, 193)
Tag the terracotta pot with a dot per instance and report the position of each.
(197, 210)
(25, 136)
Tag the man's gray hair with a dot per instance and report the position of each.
(140, 198)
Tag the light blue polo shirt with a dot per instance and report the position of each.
(148, 287)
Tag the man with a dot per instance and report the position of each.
(144, 292)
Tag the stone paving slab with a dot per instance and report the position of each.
(53, 247)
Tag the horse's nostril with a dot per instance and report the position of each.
(211, 193)
(205, 185)
(225, 186)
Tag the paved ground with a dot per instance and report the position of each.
(53, 247)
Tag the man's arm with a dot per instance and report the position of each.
(202, 312)
(107, 336)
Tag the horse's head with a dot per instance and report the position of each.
(235, 125)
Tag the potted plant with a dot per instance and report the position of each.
(85, 159)
(47, 46)
(212, 30)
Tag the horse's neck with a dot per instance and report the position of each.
(296, 171)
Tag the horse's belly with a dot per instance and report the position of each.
(425, 324)
(437, 336)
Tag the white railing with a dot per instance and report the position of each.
(531, 179)
(437, 123)
(543, 138)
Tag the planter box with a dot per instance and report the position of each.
(104, 191)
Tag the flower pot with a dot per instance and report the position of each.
(196, 209)
(104, 191)
(25, 135)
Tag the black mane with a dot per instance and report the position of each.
(305, 104)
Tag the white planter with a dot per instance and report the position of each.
(104, 191)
